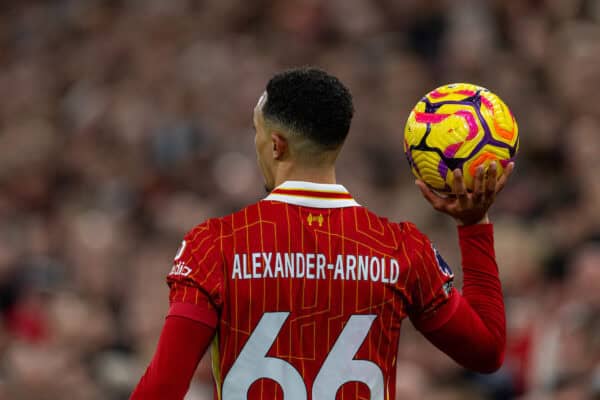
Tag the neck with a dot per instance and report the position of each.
(307, 174)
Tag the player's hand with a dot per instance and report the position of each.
(469, 208)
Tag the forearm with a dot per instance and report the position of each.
(481, 283)
(475, 334)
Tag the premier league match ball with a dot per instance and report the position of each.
(459, 126)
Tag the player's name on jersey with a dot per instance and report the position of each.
(315, 266)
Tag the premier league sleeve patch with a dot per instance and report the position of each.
(442, 264)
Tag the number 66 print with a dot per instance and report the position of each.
(338, 368)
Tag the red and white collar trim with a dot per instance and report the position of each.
(309, 194)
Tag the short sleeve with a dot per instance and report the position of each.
(196, 277)
(430, 281)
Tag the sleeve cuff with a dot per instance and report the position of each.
(195, 312)
(440, 316)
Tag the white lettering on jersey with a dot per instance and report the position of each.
(180, 269)
(313, 266)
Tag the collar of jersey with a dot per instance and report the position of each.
(309, 194)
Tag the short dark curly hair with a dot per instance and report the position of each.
(312, 103)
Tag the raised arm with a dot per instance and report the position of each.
(470, 327)
(473, 330)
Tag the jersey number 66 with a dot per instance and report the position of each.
(338, 368)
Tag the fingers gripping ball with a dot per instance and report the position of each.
(459, 126)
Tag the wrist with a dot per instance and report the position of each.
(462, 222)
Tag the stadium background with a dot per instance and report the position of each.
(126, 122)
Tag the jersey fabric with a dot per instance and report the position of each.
(307, 291)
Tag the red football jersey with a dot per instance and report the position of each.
(307, 291)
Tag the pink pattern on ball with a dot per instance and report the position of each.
(437, 94)
(488, 104)
(429, 118)
(470, 119)
(466, 92)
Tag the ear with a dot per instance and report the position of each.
(280, 145)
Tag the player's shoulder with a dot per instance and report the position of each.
(402, 227)
(406, 231)
(412, 233)
(222, 226)
(410, 229)
(209, 227)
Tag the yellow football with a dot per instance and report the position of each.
(459, 125)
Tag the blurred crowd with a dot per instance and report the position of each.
(124, 123)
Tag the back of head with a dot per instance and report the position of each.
(312, 106)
